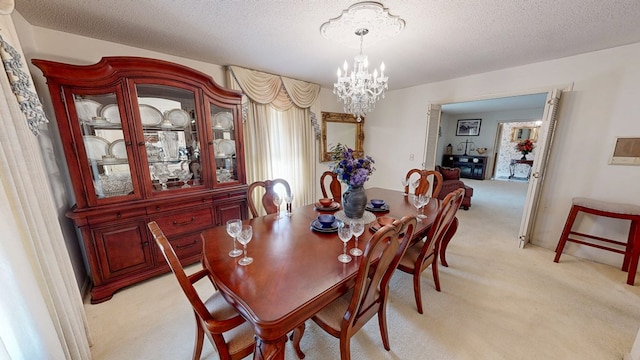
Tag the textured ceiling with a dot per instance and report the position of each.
(442, 39)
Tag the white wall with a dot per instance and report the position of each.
(604, 103)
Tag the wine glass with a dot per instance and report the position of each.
(357, 228)
(243, 238)
(416, 184)
(233, 229)
(418, 201)
(405, 183)
(277, 200)
(161, 171)
(344, 233)
(425, 201)
(288, 198)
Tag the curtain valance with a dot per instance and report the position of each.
(279, 91)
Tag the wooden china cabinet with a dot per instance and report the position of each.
(146, 140)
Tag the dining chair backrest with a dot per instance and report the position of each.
(424, 185)
(405, 228)
(444, 217)
(346, 315)
(372, 282)
(236, 346)
(268, 197)
(419, 256)
(175, 265)
(334, 186)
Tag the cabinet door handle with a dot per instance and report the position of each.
(186, 245)
(146, 243)
(193, 218)
(141, 143)
(128, 143)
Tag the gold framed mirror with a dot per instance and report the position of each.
(341, 128)
(523, 133)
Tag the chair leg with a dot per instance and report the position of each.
(634, 238)
(295, 338)
(382, 322)
(445, 241)
(197, 348)
(345, 346)
(630, 244)
(436, 275)
(565, 232)
(416, 289)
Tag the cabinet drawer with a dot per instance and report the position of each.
(115, 216)
(175, 205)
(185, 221)
(233, 196)
(187, 246)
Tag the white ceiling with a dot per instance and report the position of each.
(442, 39)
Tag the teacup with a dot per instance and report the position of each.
(385, 220)
(377, 203)
(325, 202)
(326, 220)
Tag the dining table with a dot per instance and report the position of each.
(295, 270)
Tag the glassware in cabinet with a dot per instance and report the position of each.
(171, 137)
(224, 144)
(105, 144)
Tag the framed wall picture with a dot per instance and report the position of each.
(468, 127)
(626, 151)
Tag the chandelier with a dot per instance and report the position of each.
(360, 90)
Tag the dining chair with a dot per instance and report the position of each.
(424, 185)
(334, 186)
(229, 333)
(424, 253)
(343, 317)
(267, 198)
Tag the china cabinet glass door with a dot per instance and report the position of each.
(224, 144)
(104, 143)
(171, 141)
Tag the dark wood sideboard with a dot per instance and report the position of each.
(471, 167)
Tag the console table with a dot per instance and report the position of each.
(514, 162)
(471, 167)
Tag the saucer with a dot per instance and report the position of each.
(370, 207)
(315, 225)
(334, 206)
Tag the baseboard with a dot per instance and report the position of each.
(85, 289)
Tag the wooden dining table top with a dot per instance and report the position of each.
(295, 270)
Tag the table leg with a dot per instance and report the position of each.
(272, 350)
(512, 170)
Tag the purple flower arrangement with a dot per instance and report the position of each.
(351, 170)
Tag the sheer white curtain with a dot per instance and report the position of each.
(279, 129)
(41, 310)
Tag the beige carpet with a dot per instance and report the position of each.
(497, 302)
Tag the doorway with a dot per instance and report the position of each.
(530, 107)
